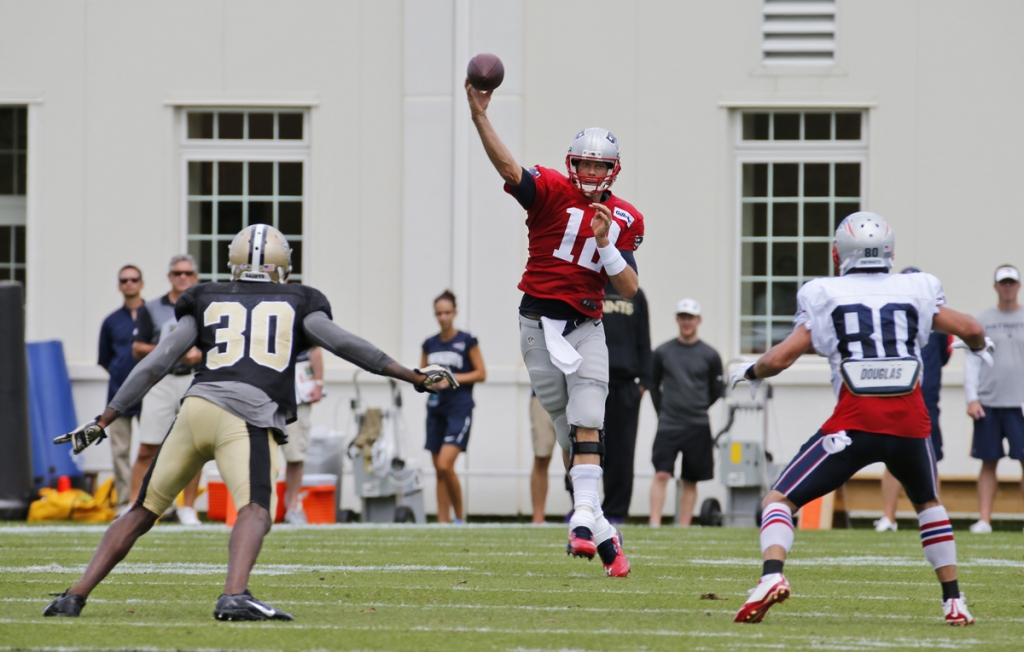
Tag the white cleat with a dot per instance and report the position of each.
(188, 516)
(955, 612)
(885, 525)
(981, 527)
(771, 589)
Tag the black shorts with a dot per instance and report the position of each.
(448, 429)
(696, 446)
(989, 432)
(814, 472)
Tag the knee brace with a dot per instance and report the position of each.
(585, 447)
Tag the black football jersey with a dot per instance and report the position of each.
(252, 333)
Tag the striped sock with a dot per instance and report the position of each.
(937, 537)
(776, 527)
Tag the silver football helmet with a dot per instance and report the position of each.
(260, 253)
(595, 144)
(864, 240)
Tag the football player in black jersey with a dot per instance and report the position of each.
(250, 331)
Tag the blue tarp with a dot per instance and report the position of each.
(52, 412)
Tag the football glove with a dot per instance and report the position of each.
(83, 436)
(985, 353)
(435, 374)
(739, 375)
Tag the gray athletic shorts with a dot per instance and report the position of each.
(576, 399)
(160, 407)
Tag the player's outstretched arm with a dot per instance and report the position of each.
(782, 356)
(501, 158)
(967, 328)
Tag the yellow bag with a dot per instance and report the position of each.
(75, 504)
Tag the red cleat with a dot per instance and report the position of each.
(620, 565)
(581, 543)
(771, 589)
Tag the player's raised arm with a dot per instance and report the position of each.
(776, 360)
(501, 158)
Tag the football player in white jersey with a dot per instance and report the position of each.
(871, 325)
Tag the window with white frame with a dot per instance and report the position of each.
(800, 173)
(13, 167)
(242, 167)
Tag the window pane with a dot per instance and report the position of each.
(289, 126)
(200, 178)
(6, 128)
(755, 219)
(261, 178)
(755, 258)
(847, 179)
(784, 299)
(229, 217)
(296, 256)
(784, 183)
(755, 179)
(230, 181)
(755, 126)
(844, 209)
(289, 178)
(261, 126)
(200, 217)
(784, 220)
(784, 262)
(816, 219)
(203, 252)
(289, 217)
(816, 179)
(817, 258)
(780, 331)
(230, 125)
(817, 126)
(21, 128)
(6, 174)
(6, 244)
(752, 336)
(261, 212)
(5, 273)
(787, 126)
(221, 265)
(754, 299)
(200, 125)
(848, 126)
(19, 244)
(19, 184)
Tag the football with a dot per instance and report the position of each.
(485, 72)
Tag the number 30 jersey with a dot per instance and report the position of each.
(867, 316)
(252, 333)
(564, 263)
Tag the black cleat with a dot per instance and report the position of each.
(243, 606)
(66, 604)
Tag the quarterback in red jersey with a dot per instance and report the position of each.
(581, 237)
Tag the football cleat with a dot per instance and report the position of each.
(885, 525)
(581, 543)
(620, 565)
(955, 612)
(981, 527)
(243, 606)
(188, 516)
(771, 589)
(67, 604)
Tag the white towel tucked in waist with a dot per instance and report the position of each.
(563, 355)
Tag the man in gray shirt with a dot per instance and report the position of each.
(995, 395)
(686, 380)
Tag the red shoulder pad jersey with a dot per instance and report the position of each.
(564, 263)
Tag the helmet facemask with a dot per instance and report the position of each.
(590, 184)
(593, 144)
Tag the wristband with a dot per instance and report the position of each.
(749, 373)
(612, 260)
(318, 383)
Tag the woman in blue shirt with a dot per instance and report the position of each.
(450, 414)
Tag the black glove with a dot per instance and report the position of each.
(83, 436)
(435, 374)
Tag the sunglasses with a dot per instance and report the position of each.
(182, 273)
(132, 279)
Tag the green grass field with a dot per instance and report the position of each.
(507, 587)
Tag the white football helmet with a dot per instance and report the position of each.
(260, 253)
(595, 144)
(864, 240)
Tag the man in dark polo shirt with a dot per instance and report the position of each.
(115, 355)
(686, 380)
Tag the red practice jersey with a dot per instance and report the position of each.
(564, 263)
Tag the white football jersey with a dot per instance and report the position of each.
(865, 316)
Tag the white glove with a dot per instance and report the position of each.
(739, 375)
(984, 353)
(836, 443)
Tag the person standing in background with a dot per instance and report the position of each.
(450, 416)
(160, 406)
(627, 329)
(685, 382)
(309, 389)
(542, 432)
(995, 394)
(115, 356)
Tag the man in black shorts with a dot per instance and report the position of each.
(686, 380)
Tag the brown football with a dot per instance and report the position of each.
(485, 72)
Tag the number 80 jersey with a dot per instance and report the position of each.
(866, 316)
(252, 333)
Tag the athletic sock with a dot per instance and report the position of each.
(937, 537)
(772, 566)
(585, 478)
(776, 527)
(950, 589)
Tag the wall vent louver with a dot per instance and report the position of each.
(798, 31)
